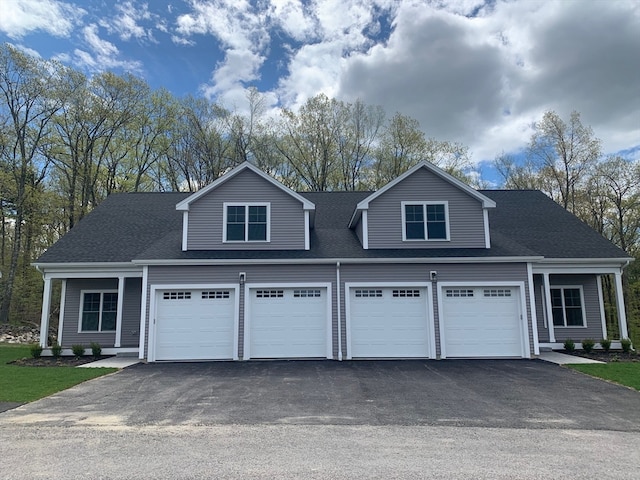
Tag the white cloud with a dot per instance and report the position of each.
(484, 79)
(103, 54)
(20, 17)
(126, 22)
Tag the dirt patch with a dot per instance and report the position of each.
(56, 362)
(607, 357)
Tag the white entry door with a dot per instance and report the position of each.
(195, 324)
(482, 321)
(391, 322)
(287, 323)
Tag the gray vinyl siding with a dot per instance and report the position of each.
(206, 215)
(70, 335)
(507, 272)
(593, 327)
(466, 222)
(130, 336)
(209, 275)
(350, 273)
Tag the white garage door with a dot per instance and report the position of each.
(195, 324)
(388, 322)
(287, 323)
(482, 321)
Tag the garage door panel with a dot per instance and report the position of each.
(388, 322)
(288, 322)
(482, 322)
(195, 325)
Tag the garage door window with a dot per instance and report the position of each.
(219, 294)
(406, 293)
(497, 292)
(567, 307)
(459, 292)
(176, 296)
(306, 293)
(368, 293)
(99, 311)
(269, 293)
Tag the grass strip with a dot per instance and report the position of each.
(624, 373)
(26, 384)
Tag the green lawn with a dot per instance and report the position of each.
(624, 373)
(25, 384)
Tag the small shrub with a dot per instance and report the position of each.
(605, 343)
(78, 350)
(96, 349)
(56, 350)
(625, 344)
(36, 350)
(587, 345)
(569, 345)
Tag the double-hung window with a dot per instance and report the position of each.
(98, 311)
(246, 222)
(567, 307)
(425, 221)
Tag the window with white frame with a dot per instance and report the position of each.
(425, 221)
(567, 307)
(246, 222)
(98, 311)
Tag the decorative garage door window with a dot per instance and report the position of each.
(176, 295)
(216, 294)
(368, 293)
(459, 292)
(306, 293)
(498, 292)
(269, 293)
(406, 293)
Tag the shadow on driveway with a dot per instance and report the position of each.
(483, 393)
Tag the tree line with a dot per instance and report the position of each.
(67, 141)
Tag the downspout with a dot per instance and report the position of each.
(338, 299)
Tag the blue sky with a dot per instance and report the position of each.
(477, 72)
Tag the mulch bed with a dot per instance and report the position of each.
(608, 357)
(56, 362)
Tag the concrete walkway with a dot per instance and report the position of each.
(563, 358)
(112, 362)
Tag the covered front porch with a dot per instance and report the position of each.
(100, 305)
(570, 304)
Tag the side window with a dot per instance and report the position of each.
(566, 307)
(98, 311)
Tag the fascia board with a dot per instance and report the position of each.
(184, 204)
(344, 261)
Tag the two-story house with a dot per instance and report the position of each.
(245, 268)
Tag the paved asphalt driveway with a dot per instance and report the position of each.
(498, 393)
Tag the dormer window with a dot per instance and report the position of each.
(246, 222)
(425, 221)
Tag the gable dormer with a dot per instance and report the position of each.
(423, 208)
(246, 209)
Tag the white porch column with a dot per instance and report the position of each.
(548, 308)
(63, 295)
(119, 312)
(46, 307)
(622, 315)
(603, 318)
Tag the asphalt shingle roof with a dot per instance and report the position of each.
(146, 226)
